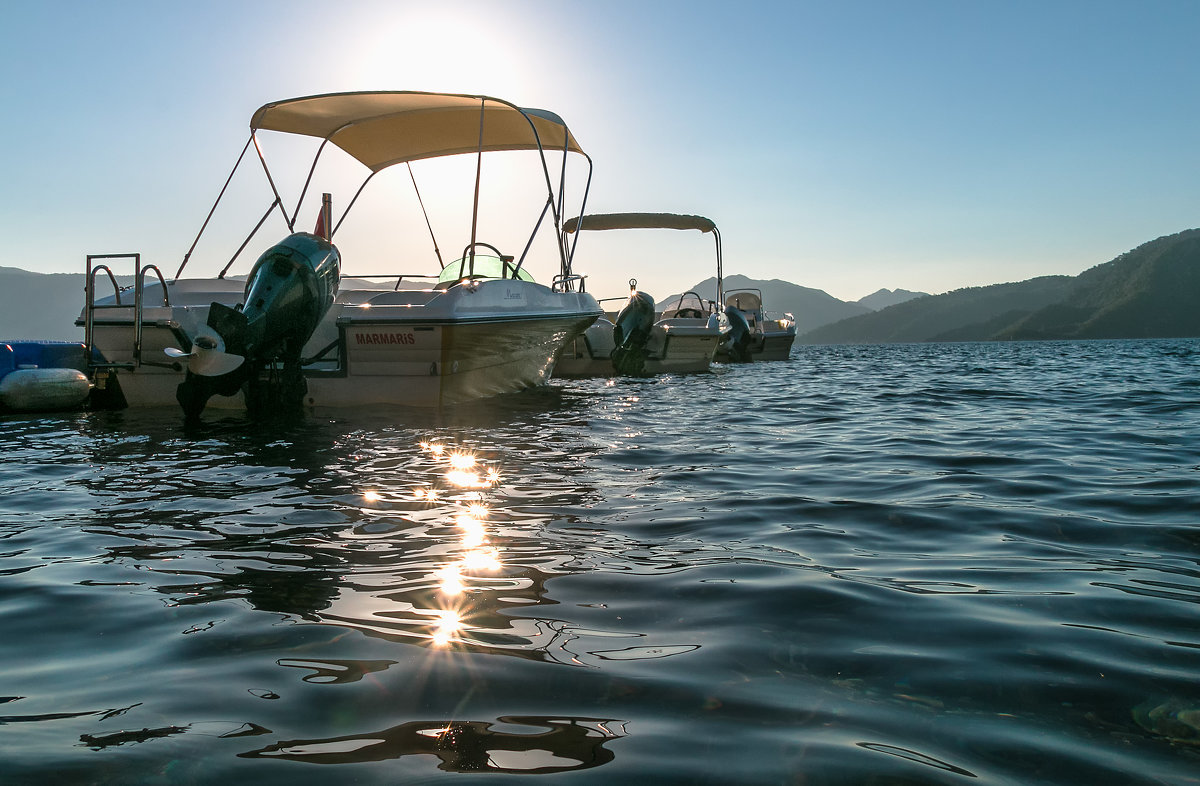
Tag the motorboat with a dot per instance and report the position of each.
(298, 332)
(643, 337)
(755, 334)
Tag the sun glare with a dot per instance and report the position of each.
(445, 626)
(473, 535)
(450, 580)
(482, 559)
(462, 460)
(474, 556)
(444, 54)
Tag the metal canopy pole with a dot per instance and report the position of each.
(478, 174)
(582, 210)
(720, 272)
(204, 226)
(425, 213)
(271, 180)
(304, 190)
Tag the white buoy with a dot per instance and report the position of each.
(44, 389)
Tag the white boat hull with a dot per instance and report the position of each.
(771, 336)
(676, 346)
(421, 348)
(775, 346)
(768, 345)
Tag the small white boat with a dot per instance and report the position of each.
(291, 335)
(682, 337)
(754, 333)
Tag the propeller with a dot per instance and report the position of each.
(208, 357)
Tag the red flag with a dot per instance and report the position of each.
(320, 230)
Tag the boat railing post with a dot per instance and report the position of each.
(137, 310)
(161, 280)
(720, 270)
(89, 305)
(139, 302)
(89, 298)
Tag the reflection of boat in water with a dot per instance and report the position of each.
(682, 337)
(287, 335)
(551, 744)
(755, 334)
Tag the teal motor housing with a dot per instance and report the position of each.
(631, 332)
(741, 336)
(288, 292)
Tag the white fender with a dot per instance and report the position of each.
(43, 389)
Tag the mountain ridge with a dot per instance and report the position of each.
(1147, 292)
(810, 307)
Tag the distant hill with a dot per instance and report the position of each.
(1149, 292)
(936, 317)
(811, 307)
(888, 297)
(40, 305)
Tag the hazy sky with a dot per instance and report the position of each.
(847, 146)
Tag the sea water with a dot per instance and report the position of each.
(906, 564)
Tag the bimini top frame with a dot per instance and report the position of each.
(382, 129)
(599, 221)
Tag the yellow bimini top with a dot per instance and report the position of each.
(380, 129)
(639, 221)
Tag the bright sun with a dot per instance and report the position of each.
(445, 50)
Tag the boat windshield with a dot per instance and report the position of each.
(746, 301)
(687, 305)
(484, 266)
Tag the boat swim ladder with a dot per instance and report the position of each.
(91, 307)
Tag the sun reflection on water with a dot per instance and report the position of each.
(462, 460)
(482, 559)
(466, 477)
(447, 623)
(446, 555)
(451, 582)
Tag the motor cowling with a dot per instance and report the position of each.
(631, 333)
(741, 336)
(289, 290)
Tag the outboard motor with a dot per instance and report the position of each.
(740, 335)
(631, 333)
(288, 292)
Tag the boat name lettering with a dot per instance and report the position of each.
(385, 338)
(510, 295)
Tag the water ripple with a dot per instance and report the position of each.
(900, 564)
